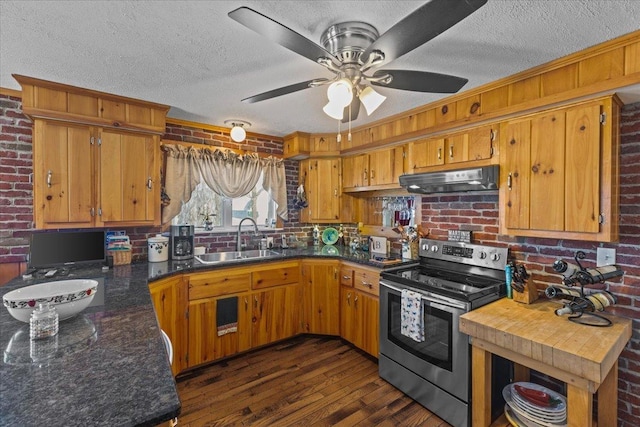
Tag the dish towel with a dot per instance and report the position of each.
(412, 323)
(227, 315)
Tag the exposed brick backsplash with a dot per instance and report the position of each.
(477, 212)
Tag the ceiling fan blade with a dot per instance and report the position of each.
(420, 26)
(420, 81)
(355, 109)
(280, 34)
(281, 91)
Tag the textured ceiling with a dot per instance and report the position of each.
(191, 56)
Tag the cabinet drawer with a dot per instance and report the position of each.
(280, 274)
(217, 284)
(367, 281)
(346, 276)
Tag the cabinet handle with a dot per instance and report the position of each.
(355, 301)
(451, 151)
(246, 303)
(335, 192)
(509, 181)
(49, 175)
(255, 299)
(349, 298)
(93, 212)
(364, 175)
(439, 153)
(346, 277)
(373, 174)
(335, 274)
(149, 183)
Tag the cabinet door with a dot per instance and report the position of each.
(204, 343)
(128, 178)
(582, 182)
(426, 152)
(368, 314)
(481, 143)
(323, 178)
(355, 171)
(273, 316)
(547, 172)
(348, 323)
(516, 147)
(63, 175)
(170, 303)
(322, 275)
(381, 167)
(457, 148)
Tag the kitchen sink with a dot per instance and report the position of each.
(217, 257)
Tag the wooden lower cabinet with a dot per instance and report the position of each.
(322, 292)
(169, 298)
(359, 307)
(274, 314)
(204, 343)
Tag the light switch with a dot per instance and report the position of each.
(605, 256)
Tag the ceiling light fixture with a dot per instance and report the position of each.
(238, 133)
(371, 99)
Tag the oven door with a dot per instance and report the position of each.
(443, 358)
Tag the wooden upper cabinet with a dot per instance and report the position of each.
(559, 173)
(323, 184)
(379, 169)
(297, 146)
(42, 98)
(129, 174)
(473, 145)
(96, 156)
(63, 187)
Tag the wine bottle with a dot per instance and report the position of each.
(594, 275)
(565, 268)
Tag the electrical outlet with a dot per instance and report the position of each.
(605, 256)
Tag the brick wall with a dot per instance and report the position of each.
(478, 212)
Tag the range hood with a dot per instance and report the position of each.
(470, 179)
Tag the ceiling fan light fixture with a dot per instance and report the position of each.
(371, 99)
(340, 92)
(334, 110)
(238, 133)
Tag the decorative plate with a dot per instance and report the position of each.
(329, 236)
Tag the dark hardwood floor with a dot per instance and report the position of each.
(305, 381)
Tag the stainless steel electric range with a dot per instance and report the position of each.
(450, 279)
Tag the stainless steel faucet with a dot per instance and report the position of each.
(255, 226)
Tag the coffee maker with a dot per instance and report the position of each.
(182, 242)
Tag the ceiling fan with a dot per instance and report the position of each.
(354, 52)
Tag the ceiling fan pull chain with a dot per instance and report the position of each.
(339, 136)
(349, 134)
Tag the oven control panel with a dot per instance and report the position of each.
(465, 253)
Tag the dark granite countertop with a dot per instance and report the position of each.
(110, 366)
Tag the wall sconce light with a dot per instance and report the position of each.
(238, 133)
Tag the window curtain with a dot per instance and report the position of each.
(225, 172)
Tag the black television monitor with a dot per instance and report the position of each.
(51, 249)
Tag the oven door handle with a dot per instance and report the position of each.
(438, 302)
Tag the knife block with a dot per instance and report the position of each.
(529, 295)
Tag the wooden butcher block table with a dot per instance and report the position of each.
(533, 337)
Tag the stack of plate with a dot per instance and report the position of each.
(524, 412)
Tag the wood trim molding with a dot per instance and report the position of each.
(11, 92)
(221, 129)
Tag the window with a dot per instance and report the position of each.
(224, 212)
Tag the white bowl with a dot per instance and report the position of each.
(69, 297)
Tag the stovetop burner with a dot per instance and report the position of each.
(458, 270)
